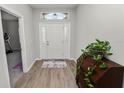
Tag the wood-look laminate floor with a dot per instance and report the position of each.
(39, 77)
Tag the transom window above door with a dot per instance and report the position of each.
(54, 16)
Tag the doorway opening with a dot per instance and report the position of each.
(10, 24)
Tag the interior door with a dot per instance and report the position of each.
(52, 41)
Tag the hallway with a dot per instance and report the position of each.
(57, 31)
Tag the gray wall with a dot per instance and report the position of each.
(11, 27)
(36, 20)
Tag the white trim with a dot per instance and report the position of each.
(75, 60)
(69, 32)
(4, 53)
(21, 33)
(28, 69)
(36, 59)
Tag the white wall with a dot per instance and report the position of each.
(26, 12)
(105, 22)
(36, 20)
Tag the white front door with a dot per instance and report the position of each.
(53, 40)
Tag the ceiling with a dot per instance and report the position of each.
(60, 6)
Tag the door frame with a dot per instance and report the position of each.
(69, 32)
(21, 34)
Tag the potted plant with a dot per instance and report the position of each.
(97, 51)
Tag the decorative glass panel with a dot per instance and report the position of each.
(54, 16)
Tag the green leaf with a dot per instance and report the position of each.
(97, 57)
(98, 40)
(109, 53)
(87, 79)
(88, 68)
(83, 50)
(107, 43)
(89, 73)
(103, 66)
(86, 75)
(90, 85)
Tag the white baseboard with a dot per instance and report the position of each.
(75, 60)
(30, 67)
(38, 59)
(32, 64)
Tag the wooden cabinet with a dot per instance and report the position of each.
(112, 77)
